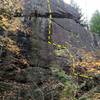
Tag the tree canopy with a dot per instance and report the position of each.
(95, 22)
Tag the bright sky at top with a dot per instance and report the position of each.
(88, 6)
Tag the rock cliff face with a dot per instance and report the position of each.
(29, 65)
(65, 28)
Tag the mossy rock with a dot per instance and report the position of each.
(4, 87)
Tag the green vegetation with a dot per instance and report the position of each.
(95, 22)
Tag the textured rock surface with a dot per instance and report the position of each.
(26, 58)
